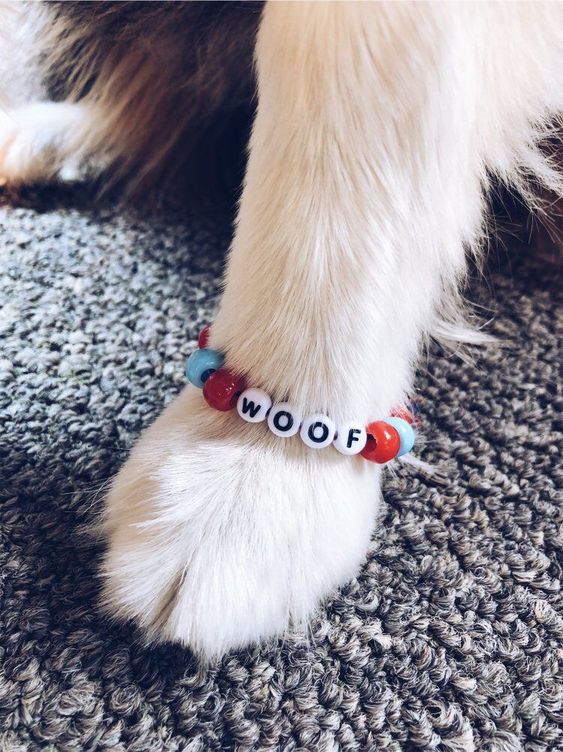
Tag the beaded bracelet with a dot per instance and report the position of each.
(380, 441)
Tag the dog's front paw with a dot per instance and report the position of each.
(221, 534)
(38, 142)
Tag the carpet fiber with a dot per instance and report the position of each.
(451, 638)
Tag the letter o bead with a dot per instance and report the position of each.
(351, 438)
(201, 364)
(284, 420)
(253, 405)
(317, 431)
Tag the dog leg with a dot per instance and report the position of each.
(39, 142)
(142, 87)
(364, 184)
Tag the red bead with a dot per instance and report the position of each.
(402, 412)
(383, 442)
(222, 389)
(203, 338)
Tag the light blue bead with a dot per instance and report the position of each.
(201, 364)
(406, 434)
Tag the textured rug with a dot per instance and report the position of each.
(451, 637)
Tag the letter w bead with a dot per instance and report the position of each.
(253, 405)
(250, 407)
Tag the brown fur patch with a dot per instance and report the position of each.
(159, 77)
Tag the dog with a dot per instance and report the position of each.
(378, 130)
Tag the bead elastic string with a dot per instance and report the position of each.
(380, 441)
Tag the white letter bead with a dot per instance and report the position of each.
(284, 420)
(253, 405)
(351, 438)
(317, 431)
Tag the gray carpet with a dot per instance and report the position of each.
(451, 638)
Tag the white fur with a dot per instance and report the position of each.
(377, 128)
(38, 142)
(21, 28)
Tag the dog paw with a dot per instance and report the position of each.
(36, 143)
(221, 535)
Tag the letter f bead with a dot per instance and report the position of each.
(351, 438)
